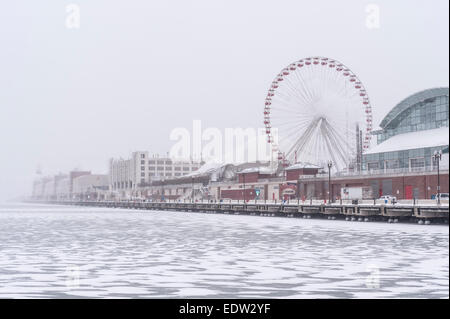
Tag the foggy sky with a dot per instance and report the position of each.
(137, 69)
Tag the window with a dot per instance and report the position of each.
(417, 163)
(372, 165)
(142, 155)
(420, 116)
(391, 164)
(186, 169)
(142, 162)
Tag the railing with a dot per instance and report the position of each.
(425, 169)
(295, 202)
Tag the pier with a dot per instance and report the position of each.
(421, 212)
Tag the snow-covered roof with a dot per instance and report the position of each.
(207, 168)
(301, 165)
(376, 129)
(260, 169)
(412, 140)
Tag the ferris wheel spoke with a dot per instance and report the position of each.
(329, 147)
(288, 96)
(288, 101)
(300, 118)
(288, 126)
(336, 142)
(295, 134)
(290, 110)
(304, 138)
(294, 121)
(308, 94)
(302, 94)
(341, 151)
(335, 147)
(343, 127)
(313, 149)
(278, 121)
(295, 97)
(292, 133)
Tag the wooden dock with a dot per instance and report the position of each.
(422, 214)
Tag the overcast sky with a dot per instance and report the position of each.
(134, 70)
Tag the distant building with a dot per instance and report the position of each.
(129, 175)
(57, 187)
(410, 133)
(163, 167)
(125, 174)
(62, 187)
(39, 187)
(91, 187)
(73, 175)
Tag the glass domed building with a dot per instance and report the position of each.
(411, 132)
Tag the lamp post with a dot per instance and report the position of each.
(243, 178)
(192, 196)
(329, 164)
(437, 156)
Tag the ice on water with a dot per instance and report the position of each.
(57, 251)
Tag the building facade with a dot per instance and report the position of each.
(128, 176)
(92, 186)
(57, 187)
(160, 168)
(419, 185)
(410, 133)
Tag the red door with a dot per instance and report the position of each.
(408, 192)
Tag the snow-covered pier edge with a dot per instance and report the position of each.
(391, 213)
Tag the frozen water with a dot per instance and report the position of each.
(72, 252)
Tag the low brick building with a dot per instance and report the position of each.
(405, 185)
(420, 185)
(294, 172)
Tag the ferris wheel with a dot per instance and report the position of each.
(316, 111)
